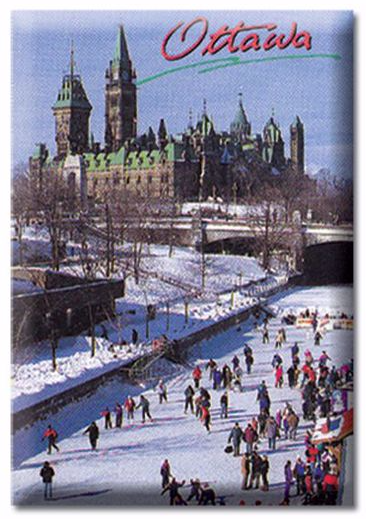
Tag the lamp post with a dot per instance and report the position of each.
(167, 316)
(186, 311)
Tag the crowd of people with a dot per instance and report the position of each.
(314, 474)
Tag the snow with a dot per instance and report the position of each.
(32, 377)
(125, 468)
(20, 286)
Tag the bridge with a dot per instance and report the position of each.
(190, 229)
(213, 234)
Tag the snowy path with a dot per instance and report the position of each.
(125, 469)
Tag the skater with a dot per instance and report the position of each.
(107, 418)
(165, 473)
(319, 477)
(288, 481)
(195, 490)
(250, 437)
(330, 487)
(317, 337)
(279, 376)
(236, 436)
(262, 389)
(130, 406)
(309, 491)
(224, 403)
(277, 360)
(295, 350)
(51, 436)
(197, 375)
(208, 495)
(299, 475)
(145, 408)
(249, 360)
(119, 415)
(174, 495)
(226, 376)
(247, 349)
(262, 420)
(238, 373)
(206, 397)
(283, 333)
(189, 394)
(293, 423)
(216, 376)
(271, 432)
(162, 392)
(256, 463)
(245, 470)
(206, 417)
(324, 357)
(211, 365)
(134, 336)
(279, 340)
(278, 419)
(47, 473)
(93, 432)
(265, 335)
(291, 376)
(264, 470)
(235, 362)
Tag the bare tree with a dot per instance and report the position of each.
(51, 202)
(271, 227)
(21, 207)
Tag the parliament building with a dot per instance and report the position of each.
(195, 164)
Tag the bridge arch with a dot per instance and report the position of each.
(237, 245)
(328, 263)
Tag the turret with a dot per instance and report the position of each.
(72, 110)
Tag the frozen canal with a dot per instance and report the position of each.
(126, 467)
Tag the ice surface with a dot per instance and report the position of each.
(125, 469)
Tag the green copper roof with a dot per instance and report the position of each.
(240, 117)
(296, 122)
(144, 159)
(206, 126)
(121, 55)
(72, 94)
(272, 130)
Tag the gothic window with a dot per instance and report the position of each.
(149, 179)
(138, 180)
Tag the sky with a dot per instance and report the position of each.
(318, 90)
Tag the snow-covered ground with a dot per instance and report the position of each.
(33, 379)
(125, 468)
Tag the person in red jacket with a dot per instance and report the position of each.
(312, 453)
(206, 417)
(129, 405)
(279, 376)
(107, 418)
(50, 434)
(197, 375)
(250, 437)
(330, 487)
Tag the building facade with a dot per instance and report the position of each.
(194, 164)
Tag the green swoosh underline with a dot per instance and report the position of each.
(231, 62)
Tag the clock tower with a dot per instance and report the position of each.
(72, 110)
(120, 97)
